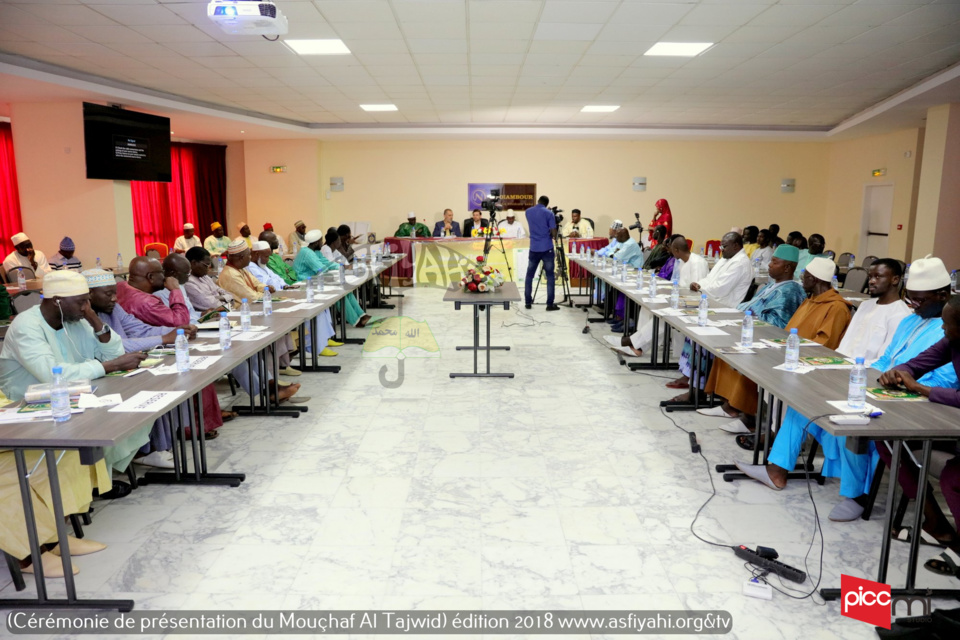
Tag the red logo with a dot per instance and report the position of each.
(865, 600)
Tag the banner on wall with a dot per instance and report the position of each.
(517, 196)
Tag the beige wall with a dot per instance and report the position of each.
(56, 199)
(710, 185)
(236, 188)
(850, 163)
(937, 226)
(279, 198)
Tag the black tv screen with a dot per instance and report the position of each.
(125, 145)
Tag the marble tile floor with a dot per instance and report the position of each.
(562, 488)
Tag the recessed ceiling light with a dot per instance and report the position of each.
(600, 108)
(242, 131)
(330, 47)
(687, 49)
(378, 107)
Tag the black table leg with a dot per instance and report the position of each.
(476, 348)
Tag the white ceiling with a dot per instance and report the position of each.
(790, 64)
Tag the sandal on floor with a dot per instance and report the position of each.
(946, 565)
(745, 442)
(904, 534)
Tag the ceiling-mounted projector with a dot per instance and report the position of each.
(248, 17)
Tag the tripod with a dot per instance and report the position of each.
(561, 271)
(488, 243)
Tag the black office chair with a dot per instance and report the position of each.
(938, 460)
(28, 273)
(592, 225)
(869, 260)
(856, 280)
(23, 300)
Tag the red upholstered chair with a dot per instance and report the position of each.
(711, 246)
(161, 250)
(689, 244)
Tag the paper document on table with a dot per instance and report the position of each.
(725, 310)
(251, 336)
(843, 407)
(309, 305)
(215, 324)
(668, 312)
(208, 334)
(148, 401)
(230, 314)
(707, 331)
(90, 401)
(202, 362)
(657, 300)
(782, 342)
(206, 347)
(801, 368)
(735, 351)
(322, 296)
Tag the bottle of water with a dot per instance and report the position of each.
(652, 292)
(857, 392)
(953, 280)
(906, 274)
(244, 315)
(746, 331)
(793, 351)
(639, 279)
(224, 331)
(99, 265)
(836, 283)
(343, 275)
(573, 251)
(756, 267)
(60, 397)
(120, 264)
(701, 251)
(182, 350)
(853, 262)
(702, 311)
(310, 289)
(675, 295)
(21, 280)
(623, 273)
(267, 302)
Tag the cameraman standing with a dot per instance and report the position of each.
(542, 223)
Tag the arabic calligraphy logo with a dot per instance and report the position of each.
(399, 337)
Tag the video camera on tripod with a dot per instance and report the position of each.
(637, 224)
(491, 204)
(557, 211)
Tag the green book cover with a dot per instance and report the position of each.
(881, 393)
(401, 335)
(824, 361)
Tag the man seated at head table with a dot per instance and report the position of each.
(689, 267)
(177, 266)
(24, 255)
(66, 259)
(136, 297)
(217, 242)
(473, 226)
(311, 262)
(874, 328)
(62, 331)
(188, 240)
(448, 227)
(823, 317)
(151, 445)
(412, 229)
(510, 228)
(912, 376)
(726, 286)
(242, 284)
(577, 227)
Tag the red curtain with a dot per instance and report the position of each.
(197, 193)
(10, 222)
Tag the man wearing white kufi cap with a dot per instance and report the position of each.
(24, 255)
(612, 245)
(188, 240)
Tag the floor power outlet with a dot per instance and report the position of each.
(756, 589)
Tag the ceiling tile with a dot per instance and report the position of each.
(427, 11)
(577, 12)
(109, 34)
(173, 33)
(564, 31)
(492, 31)
(139, 15)
(798, 15)
(378, 46)
(337, 11)
(67, 15)
(771, 35)
(300, 11)
(727, 14)
(444, 30)
(495, 10)
(690, 33)
(558, 46)
(628, 32)
(367, 30)
(47, 34)
(434, 45)
(441, 58)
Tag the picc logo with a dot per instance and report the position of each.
(872, 603)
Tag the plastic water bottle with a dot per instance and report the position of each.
(244, 315)
(906, 274)
(267, 302)
(701, 251)
(224, 331)
(320, 284)
(652, 292)
(623, 274)
(60, 397)
(343, 275)
(99, 265)
(639, 279)
(746, 331)
(310, 289)
(793, 351)
(756, 267)
(182, 349)
(953, 280)
(836, 283)
(857, 392)
(21, 280)
(675, 296)
(120, 264)
(853, 262)
(702, 311)
(573, 251)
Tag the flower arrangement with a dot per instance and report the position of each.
(482, 232)
(483, 279)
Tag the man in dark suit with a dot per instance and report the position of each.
(475, 222)
(448, 227)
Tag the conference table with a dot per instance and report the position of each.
(93, 430)
(810, 395)
(504, 295)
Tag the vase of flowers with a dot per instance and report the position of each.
(482, 279)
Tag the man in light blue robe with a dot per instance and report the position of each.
(310, 262)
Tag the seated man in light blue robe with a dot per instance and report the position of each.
(310, 262)
(927, 294)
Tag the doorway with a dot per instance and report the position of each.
(875, 220)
